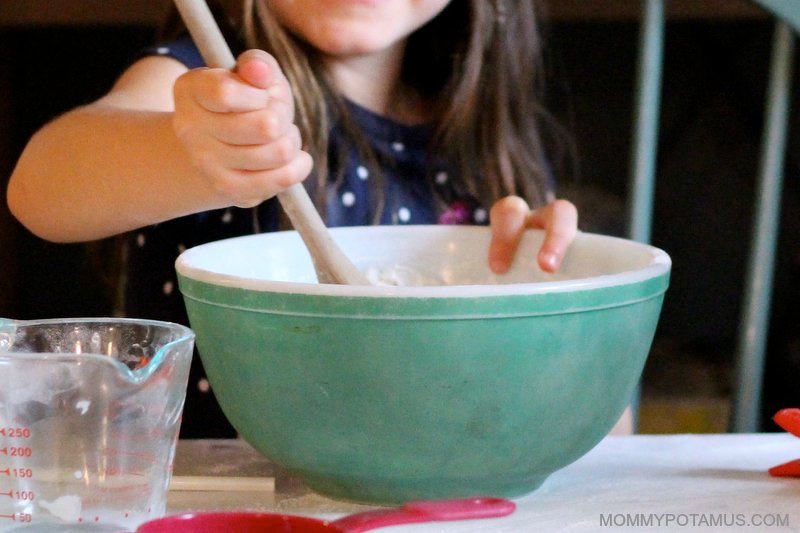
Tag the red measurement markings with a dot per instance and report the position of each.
(24, 495)
(112, 452)
(17, 472)
(100, 493)
(12, 432)
(119, 472)
(17, 451)
(21, 517)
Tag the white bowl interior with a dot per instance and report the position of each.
(420, 261)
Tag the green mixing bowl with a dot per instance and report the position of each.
(474, 384)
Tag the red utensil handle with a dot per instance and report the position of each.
(427, 511)
(789, 419)
(461, 509)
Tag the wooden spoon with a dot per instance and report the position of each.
(330, 263)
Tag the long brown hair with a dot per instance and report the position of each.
(477, 65)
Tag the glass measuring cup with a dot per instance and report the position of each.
(90, 410)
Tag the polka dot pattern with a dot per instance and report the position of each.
(403, 214)
(348, 199)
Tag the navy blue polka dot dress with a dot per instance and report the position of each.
(416, 191)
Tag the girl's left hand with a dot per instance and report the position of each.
(511, 216)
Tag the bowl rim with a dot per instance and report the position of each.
(660, 265)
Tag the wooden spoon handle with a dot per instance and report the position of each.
(206, 33)
(330, 263)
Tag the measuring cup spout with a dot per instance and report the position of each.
(162, 357)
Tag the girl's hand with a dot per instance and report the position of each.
(237, 128)
(511, 216)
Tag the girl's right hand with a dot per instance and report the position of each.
(237, 128)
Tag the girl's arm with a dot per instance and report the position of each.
(165, 142)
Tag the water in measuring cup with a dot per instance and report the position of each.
(58, 480)
(102, 489)
(56, 508)
(81, 450)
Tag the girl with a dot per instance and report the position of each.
(397, 112)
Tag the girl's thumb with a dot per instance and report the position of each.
(256, 67)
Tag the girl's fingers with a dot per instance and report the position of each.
(559, 219)
(508, 219)
(510, 216)
(218, 90)
(257, 68)
(255, 127)
(257, 157)
(256, 82)
(237, 128)
(244, 188)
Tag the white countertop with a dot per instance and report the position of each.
(639, 483)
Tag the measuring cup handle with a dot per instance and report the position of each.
(427, 511)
